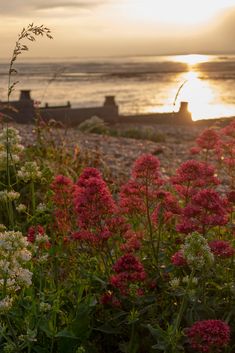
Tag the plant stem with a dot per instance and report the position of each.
(33, 196)
(13, 334)
(184, 301)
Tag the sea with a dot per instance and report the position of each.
(140, 84)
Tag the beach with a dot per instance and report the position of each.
(115, 155)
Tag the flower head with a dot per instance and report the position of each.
(205, 210)
(146, 167)
(221, 248)
(30, 171)
(208, 139)
(208, 336)
(93, 200)
(196, 252)
(129, 270)
(191, 176)
(178, 259)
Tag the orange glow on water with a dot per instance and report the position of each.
(191, 59)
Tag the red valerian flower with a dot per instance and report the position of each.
(93, 200)
(86, 175)
(33, 231)
(146, 167)
(139, 192)
(128, 270)
(205, 210)
(167, 207)
(94, 207)
(109, 298)
(195, 150)
(178, 259)
(221, 248)
(132, 241)
(192, 176)
(231, 196)
(132, 197)
(226, 152)
(208, 139)
(208, 336)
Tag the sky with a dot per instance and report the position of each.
(93, 28)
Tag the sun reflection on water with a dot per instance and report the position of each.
(204, 100)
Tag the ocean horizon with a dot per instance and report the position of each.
(141, 84)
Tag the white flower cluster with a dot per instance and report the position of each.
(5, 304)
(197, 252)
(10, 147)
(29, 172)
(11, 195)
(176, 282)
(14, 256)
(21, 208)
(44, 307)
(41, 207)
(194, 280)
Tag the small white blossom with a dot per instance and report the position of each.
(5, 304)
(11, 195)
(14, 256)
(41, 207)
(197, 252)
(44, 307)
(21, 208)
(29, 172)
(175, 282)
(194, 280)
(10, 147)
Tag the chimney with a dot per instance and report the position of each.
(183, 107)
(110, 101)
(25, 95)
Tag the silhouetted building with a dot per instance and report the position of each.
(24, 111)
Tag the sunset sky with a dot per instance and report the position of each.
(121, 27)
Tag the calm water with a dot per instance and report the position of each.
(140, 84)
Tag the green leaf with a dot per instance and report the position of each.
(67, 333)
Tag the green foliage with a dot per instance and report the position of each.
(138, 133)
(94, 125)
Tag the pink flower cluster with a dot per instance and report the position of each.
(132, 241)
(208, 336)
(128, 270)
(94, 206)
(192, 176)
(221, 248)
(146, 168)
(220, 145)
(142, 187)
(205, 210)
(178, 259)
(208, 139)
(109, 298)
(40, 231)
(167, 207)
(33, 231)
